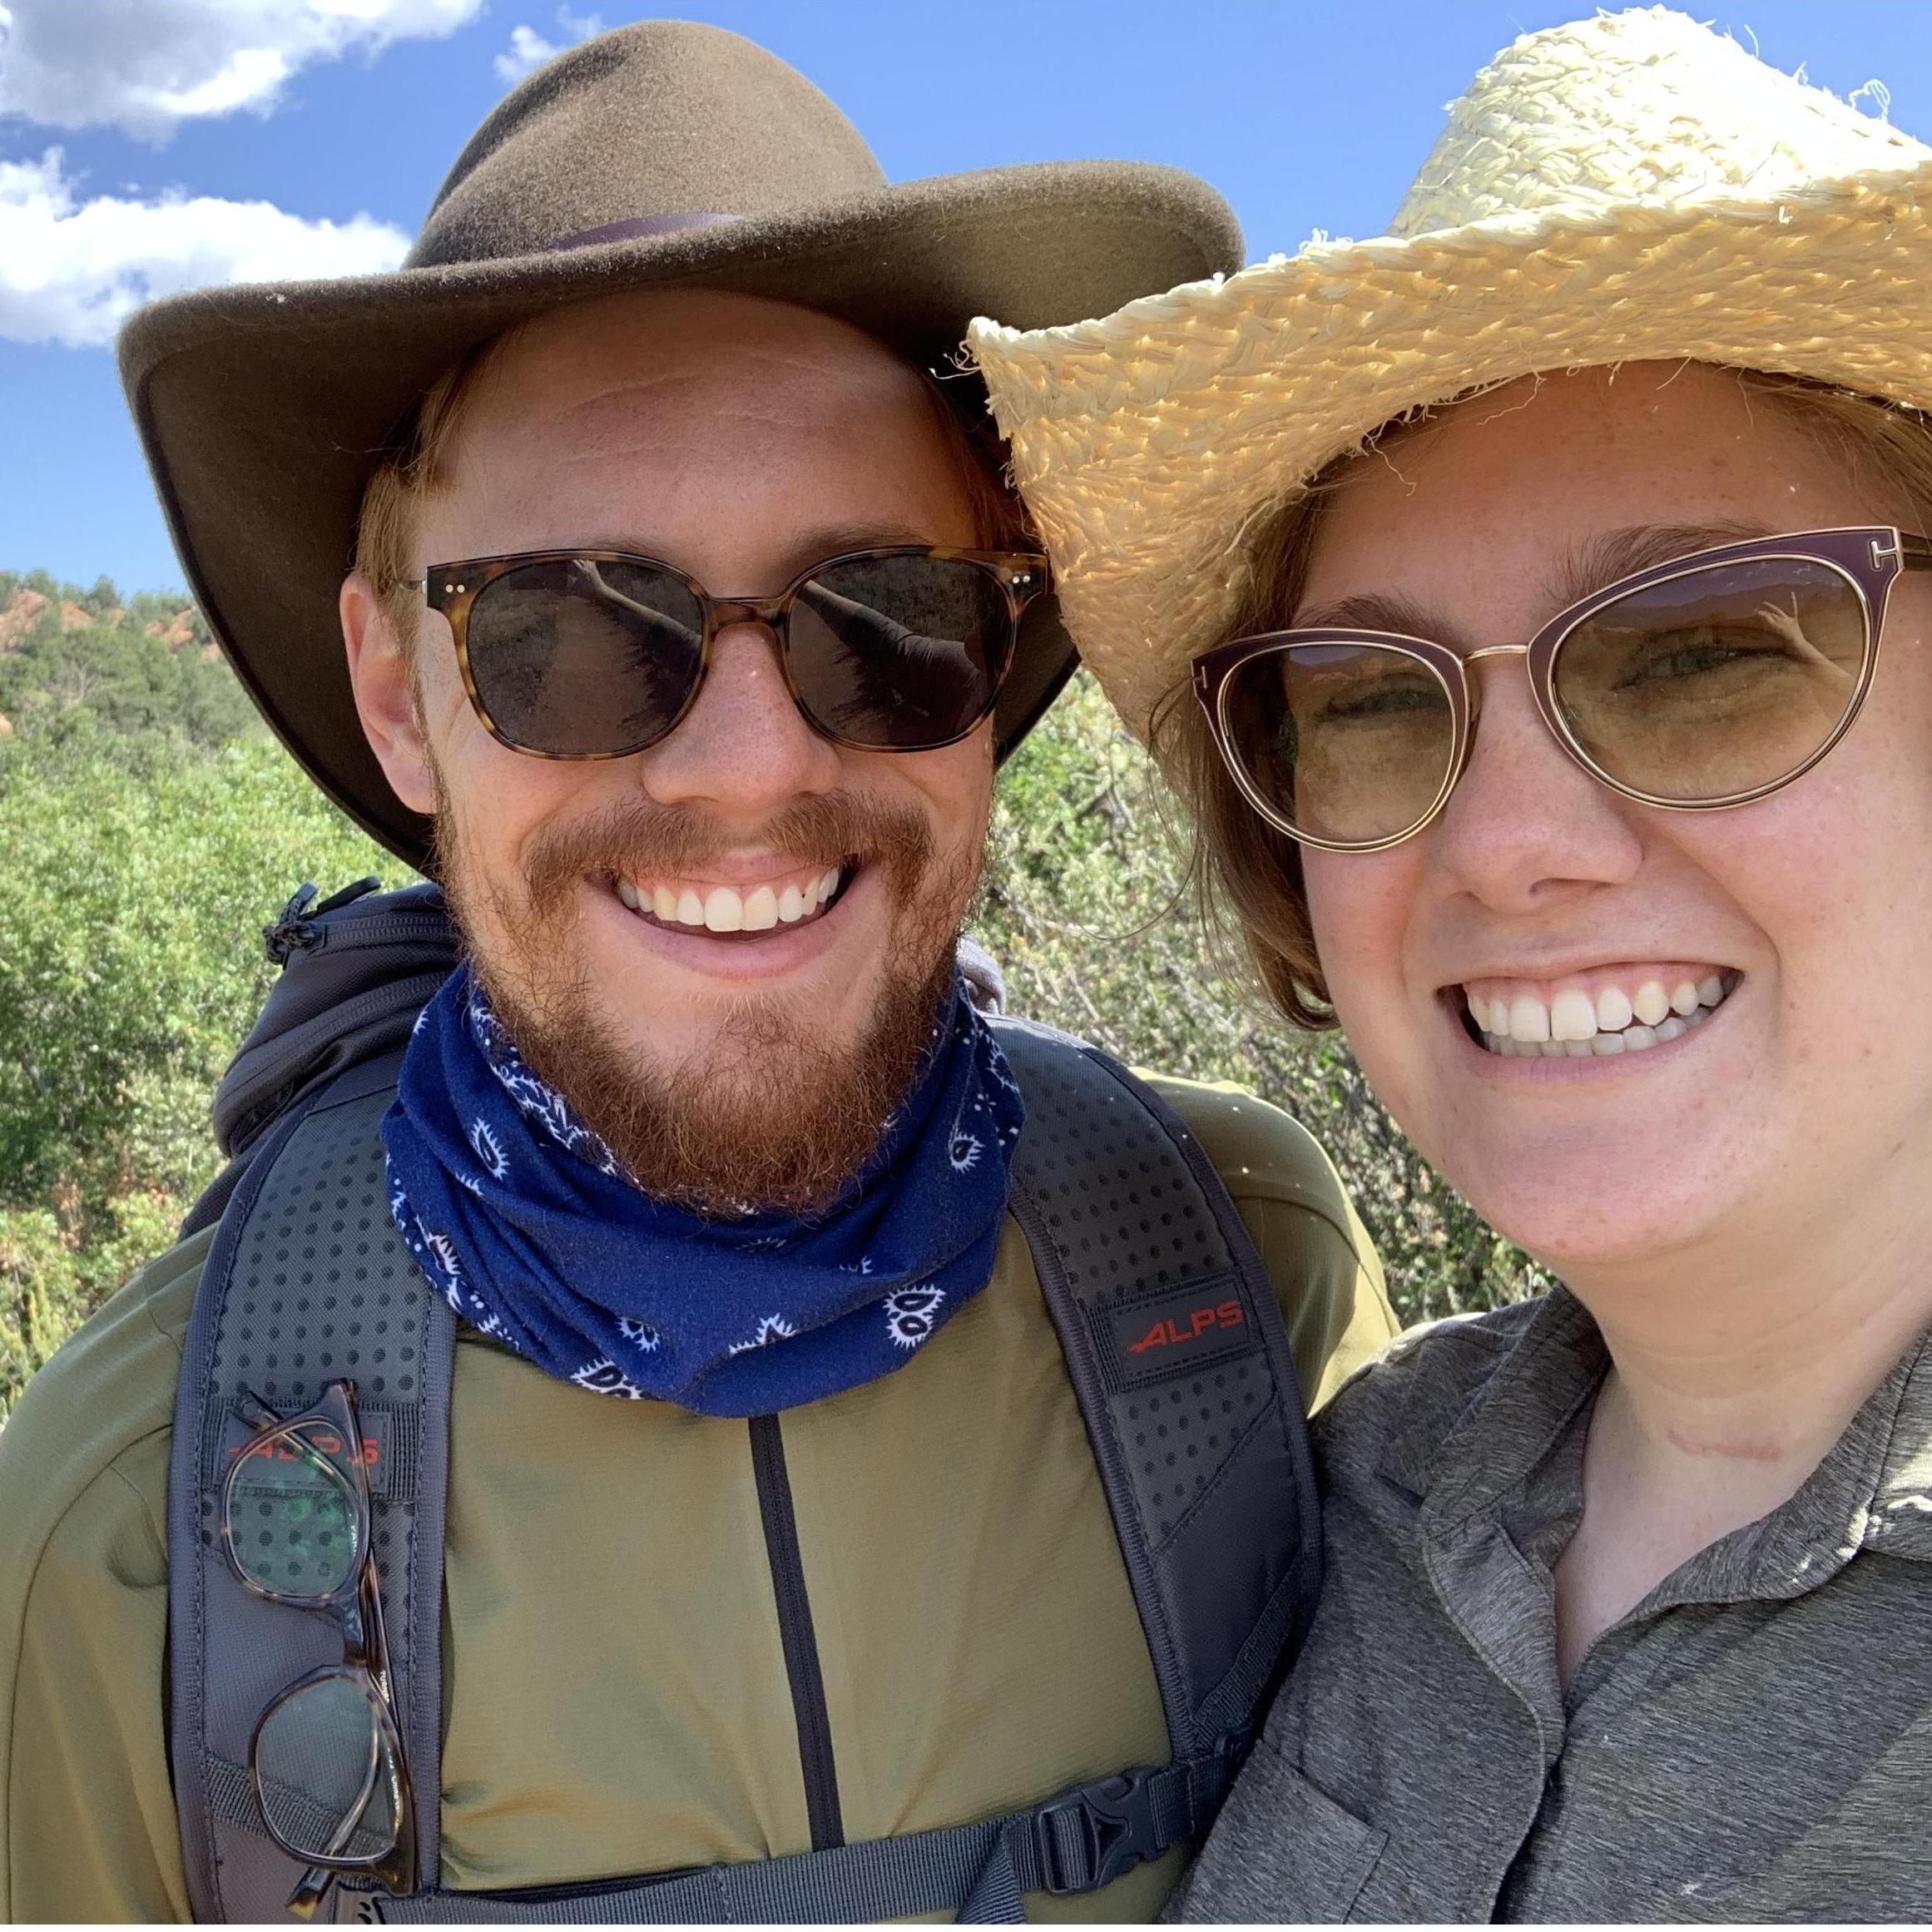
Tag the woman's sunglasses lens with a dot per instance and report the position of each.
(292, 1519)
(326, 1773)
(899, 653)
(580, 658)
(1717, 683)
(1349, 743)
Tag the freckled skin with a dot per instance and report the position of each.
(719, 432)
(1807, 1103)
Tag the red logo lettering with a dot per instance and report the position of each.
(1171, 1333)
(281, 1449)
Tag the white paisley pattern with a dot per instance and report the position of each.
(770, 1328)
(641, 1335)
(535, 1101)
(912, 1315)
(489, 1149)
(606, 1378)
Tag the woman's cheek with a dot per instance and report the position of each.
(1359, 906)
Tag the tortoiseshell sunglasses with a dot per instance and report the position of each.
(601, 653)
(1697, 685)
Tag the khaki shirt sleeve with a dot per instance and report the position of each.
(1327, 1276)
(87, 1827)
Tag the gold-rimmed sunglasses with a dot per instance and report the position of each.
(1698, 685)
(599, 653)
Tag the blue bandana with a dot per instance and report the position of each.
(533, 1232)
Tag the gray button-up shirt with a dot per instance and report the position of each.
(1753, 1741)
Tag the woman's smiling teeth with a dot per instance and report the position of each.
(1619, 1010)
(787, 901)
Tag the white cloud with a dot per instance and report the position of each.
(144, 66)
(529, 49)
(71, 270)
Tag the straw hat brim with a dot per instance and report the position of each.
(1149, 442)
(262, 408)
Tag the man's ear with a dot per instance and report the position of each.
(379, 670)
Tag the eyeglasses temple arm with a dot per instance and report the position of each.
(1914, 552)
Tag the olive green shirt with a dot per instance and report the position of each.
(1752, 1741)
(616, 1696)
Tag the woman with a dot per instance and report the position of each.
(1563, 641)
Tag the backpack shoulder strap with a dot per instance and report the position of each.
(307, 1280)
(1176, 1347)
(1177, 1354)
(1176, 1350)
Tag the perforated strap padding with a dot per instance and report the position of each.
(307, 1282)
(1178, 1352)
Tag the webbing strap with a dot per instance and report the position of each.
(1078, 1842)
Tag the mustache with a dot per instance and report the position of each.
(633, 835)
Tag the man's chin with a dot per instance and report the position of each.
(770, 1114)
(777, 1102)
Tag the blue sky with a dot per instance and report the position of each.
(149, 142)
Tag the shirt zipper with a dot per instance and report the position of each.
(796, 1633)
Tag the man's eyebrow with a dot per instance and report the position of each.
(1587, 567)
(801, 553)
(835, 539)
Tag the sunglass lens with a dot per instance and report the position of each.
(327, 1774)
(292, 1512)
(1348, 743)
(899, 653)
(581, 658)
(1715, 683)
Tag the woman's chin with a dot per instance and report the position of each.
(1595, 1211)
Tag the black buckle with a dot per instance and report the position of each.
(1087, 1837)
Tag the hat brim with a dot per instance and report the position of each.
(1149, 444)
(262, 408)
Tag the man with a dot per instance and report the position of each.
(704, 736)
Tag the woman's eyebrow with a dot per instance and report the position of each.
(1375, 611)
(1588, 566)
(1600, 562)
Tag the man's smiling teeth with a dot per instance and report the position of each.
(724, 909)
(1637, 1008)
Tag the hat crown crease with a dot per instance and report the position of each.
(1640, 107)
(660, 118)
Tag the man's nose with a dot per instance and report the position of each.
(1527, 826)
(742, 749)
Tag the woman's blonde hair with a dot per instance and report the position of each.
(1247, 876)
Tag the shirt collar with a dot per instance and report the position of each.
(1500, 1458)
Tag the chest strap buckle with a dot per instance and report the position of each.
(1088, 1837)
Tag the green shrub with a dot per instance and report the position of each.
(144, 861)
(141, 869)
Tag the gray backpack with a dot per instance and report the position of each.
(1173, 1342)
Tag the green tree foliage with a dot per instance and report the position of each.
(152, 829)
(72, 659)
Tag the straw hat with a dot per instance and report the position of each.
(666, 155)
(1629, 186)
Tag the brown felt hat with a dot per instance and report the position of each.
(665, 154)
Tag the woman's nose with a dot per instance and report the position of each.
(742, 749)
(1526, 821)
